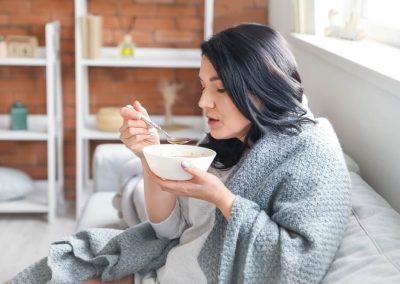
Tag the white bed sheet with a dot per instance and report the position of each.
(370, 250)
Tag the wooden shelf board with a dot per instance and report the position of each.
(194, 130)
(148, 57)
(37, 129)
(40, 60)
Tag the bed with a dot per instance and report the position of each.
(369, 252)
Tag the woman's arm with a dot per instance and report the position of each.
(203, 185)
(225, 202)
(136, 135)
(159, 204)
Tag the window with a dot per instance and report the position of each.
(384, 13)
(381, 20)
(377, 20)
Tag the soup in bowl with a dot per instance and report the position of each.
(165, 160)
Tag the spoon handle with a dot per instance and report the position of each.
(152, 124)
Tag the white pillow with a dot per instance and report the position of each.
(14, 184)
(352, 166)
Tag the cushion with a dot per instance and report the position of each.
(14, 184)
(370, 250)
(130, 193)
(99, 213)
(107, 162)
(352, 166)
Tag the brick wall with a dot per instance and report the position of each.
(157, 23)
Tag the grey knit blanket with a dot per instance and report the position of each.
(292, 204)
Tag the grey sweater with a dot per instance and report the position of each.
(292, 204)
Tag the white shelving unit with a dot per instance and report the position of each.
(144, 58)
(44, 127)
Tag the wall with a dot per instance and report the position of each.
(363, 110)
(158, 23)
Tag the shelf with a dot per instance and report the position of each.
(148, 57)
(47, 127)
(195, 132)
(37, 129)
(185, 58)
(35, 202)
(40, 60)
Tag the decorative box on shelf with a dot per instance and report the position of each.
(21, 46)
(108, 119)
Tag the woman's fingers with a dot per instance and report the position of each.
(129, 113)
(136, 123)
(133, 123)
(137, 106)
(179, 187)
(143, 137)
(133, 112)
(195, 172)
(161, 182)
(133, 131)
(137, 141)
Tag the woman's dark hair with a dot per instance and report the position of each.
(260, 75)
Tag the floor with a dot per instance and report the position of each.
(25, 238)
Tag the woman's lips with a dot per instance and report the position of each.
(212, 121)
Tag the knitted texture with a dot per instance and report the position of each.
(291, 207)
(106, 253)
(289, 215)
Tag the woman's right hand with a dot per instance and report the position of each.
(134, 132)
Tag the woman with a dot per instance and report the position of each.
(251, 89)
(274, 205)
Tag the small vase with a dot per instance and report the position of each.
(127, 47)
(19, 115)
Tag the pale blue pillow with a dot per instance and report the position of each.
(14, 184)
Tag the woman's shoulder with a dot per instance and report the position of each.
(312, 134)
(317, 141)
(320, 135)
(318, 146)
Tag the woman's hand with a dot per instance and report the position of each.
(203, 186)
(134, 132)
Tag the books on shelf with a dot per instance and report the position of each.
(91, 36)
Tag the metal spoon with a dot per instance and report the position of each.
(170, 139)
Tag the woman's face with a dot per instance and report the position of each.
(224, 118)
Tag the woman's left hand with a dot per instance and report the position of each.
(203, 186)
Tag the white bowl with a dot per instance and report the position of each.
(165, 160)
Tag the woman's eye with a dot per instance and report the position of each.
(221, 90)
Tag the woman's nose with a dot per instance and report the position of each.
(206, 101)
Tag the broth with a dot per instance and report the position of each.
(188, 155)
